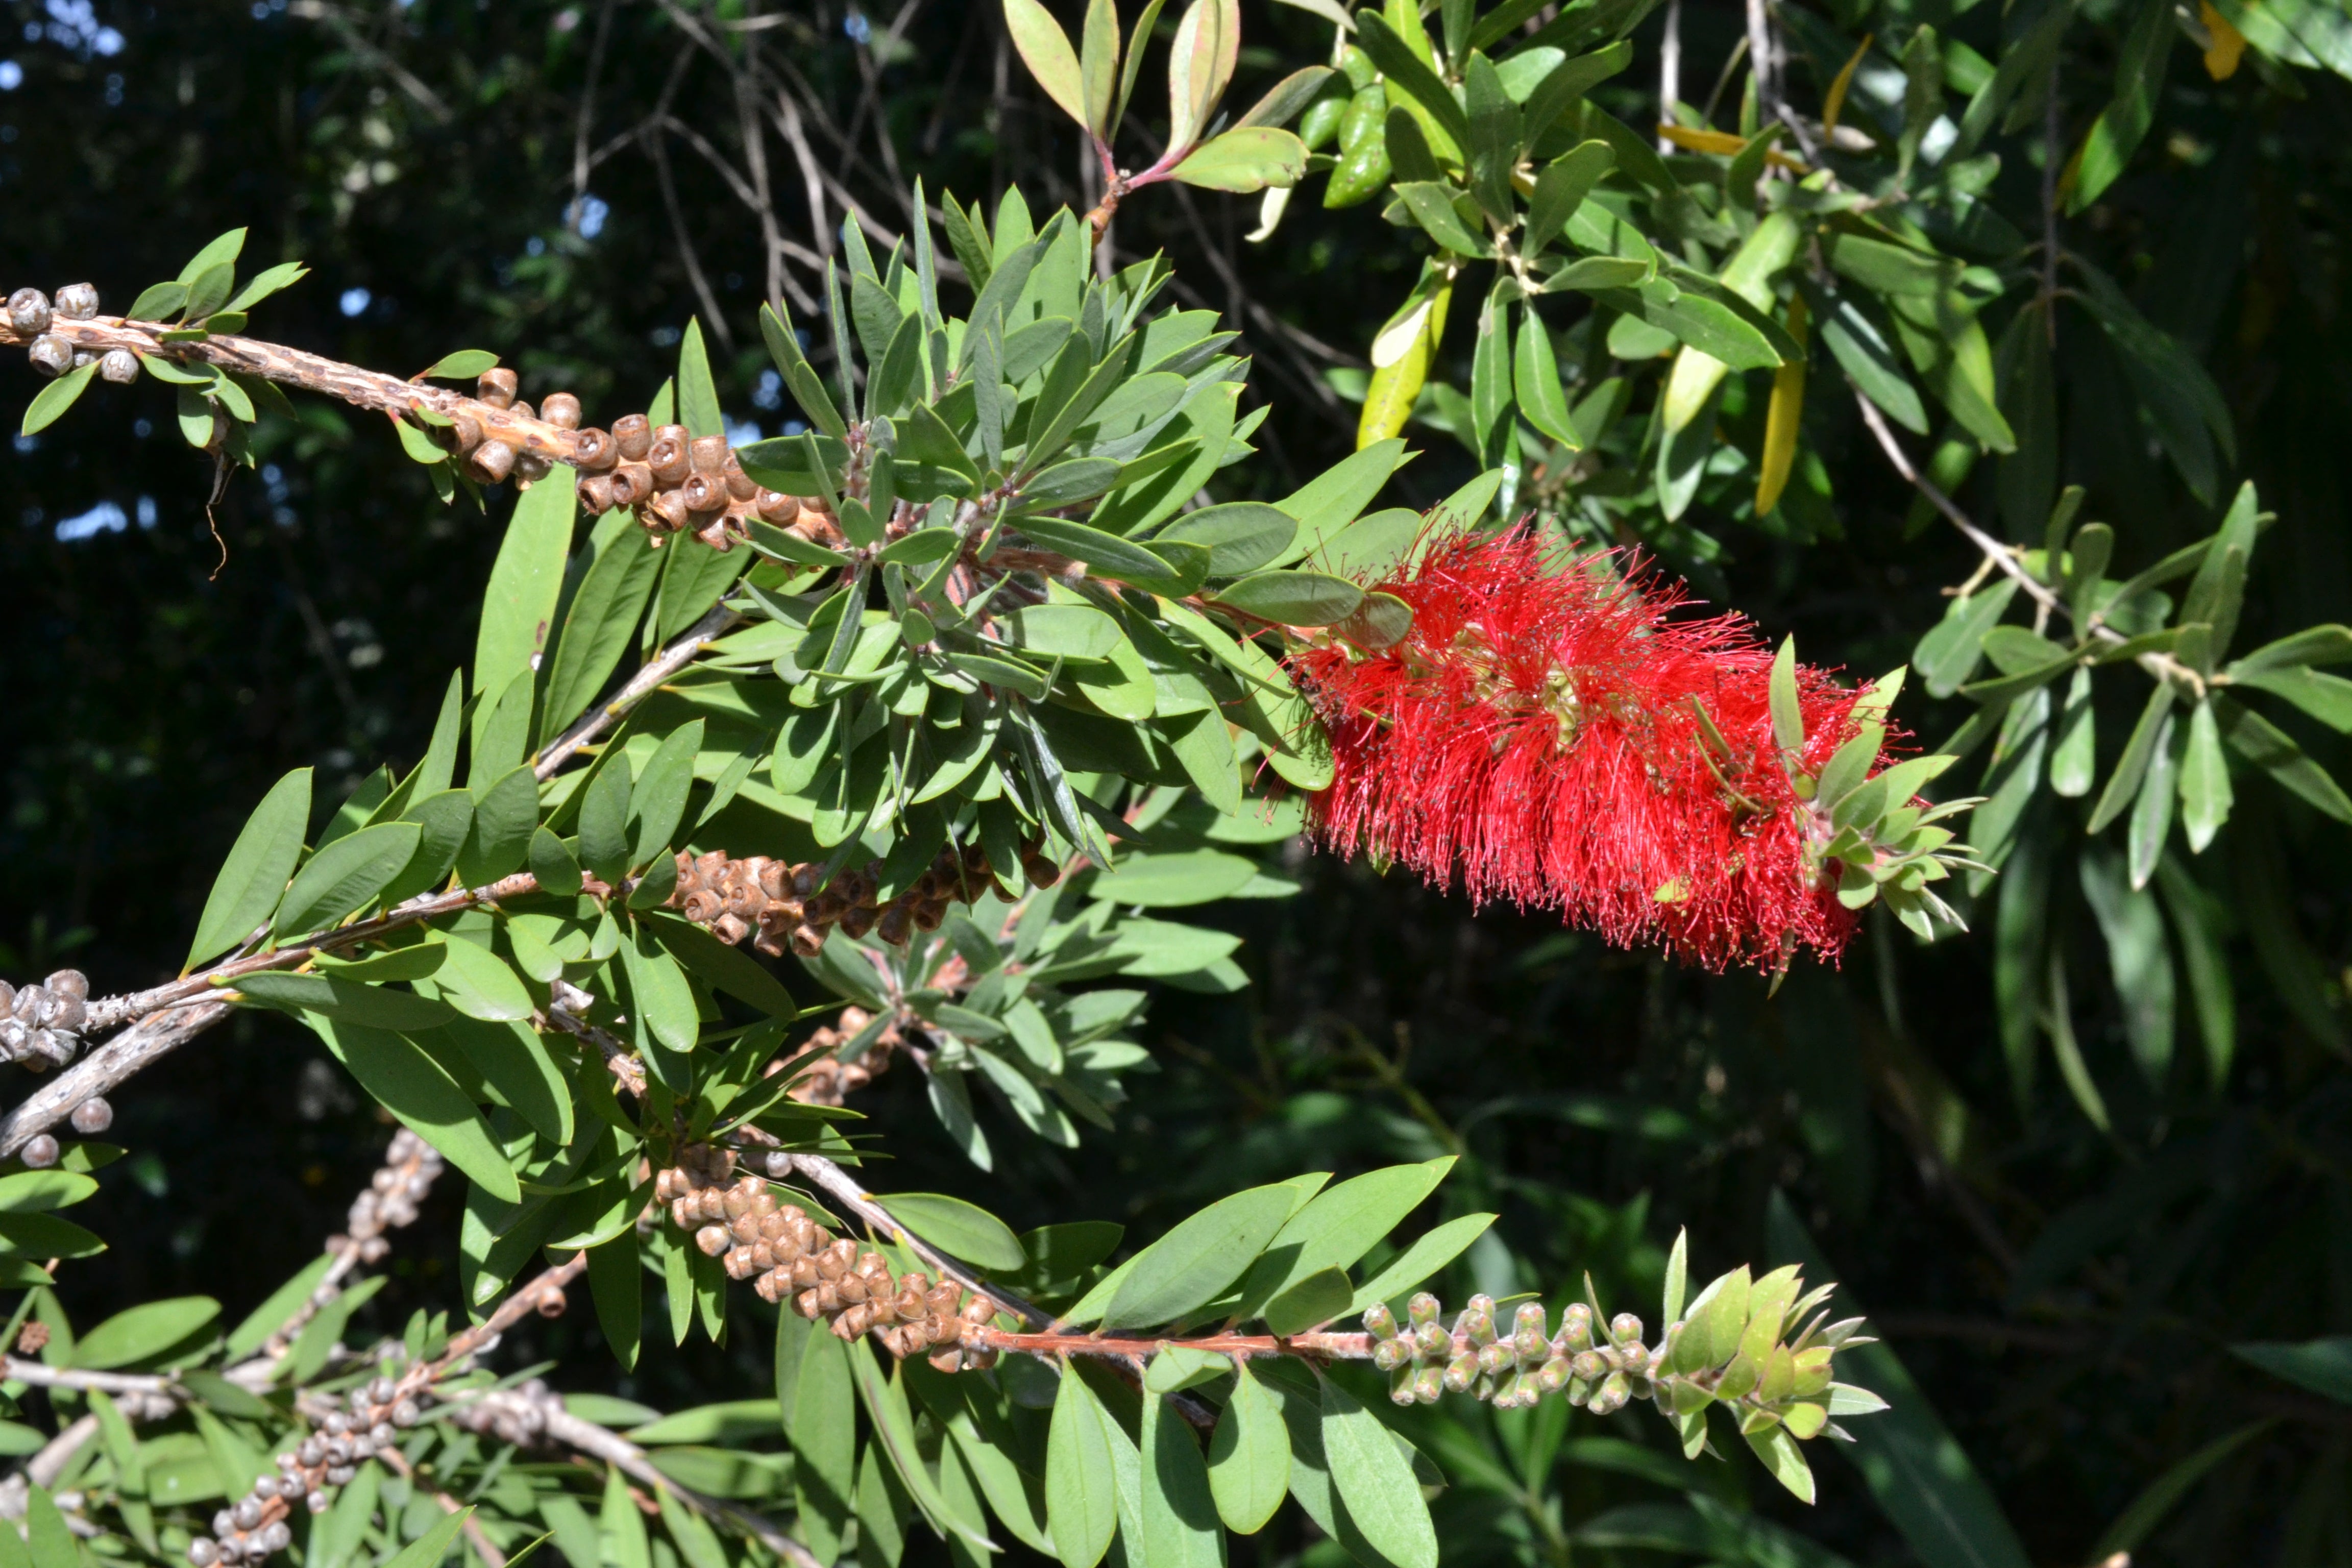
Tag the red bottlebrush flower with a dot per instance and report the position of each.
(1538, 736)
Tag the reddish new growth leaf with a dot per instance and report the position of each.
(1537, 736)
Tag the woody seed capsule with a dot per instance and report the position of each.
(596, 494)
(775, 506)
(707, 455)
(703, 492)
(28, 311)
(561, 410)
(497, 387)
(633, 434)
(39, 1152)
(92, 1116)
(78, 301)
(51, 354)
(667, 455)
(594, 450)
(667, 511)
(632, 484)
(740, 485)
(492, 461)
(120, 366)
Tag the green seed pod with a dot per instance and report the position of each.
(1365, 119)
(1379, 1322)
(1461, 1373)
(1625, 1328)
(1423, 1309)
(1361, 174)
(1321, 121)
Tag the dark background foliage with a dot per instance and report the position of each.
(2062, 1296)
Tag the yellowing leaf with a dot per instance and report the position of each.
(1781, 416)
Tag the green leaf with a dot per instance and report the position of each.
(2323, 1366)
(1423, 1259)
(1560, 189)
(525, 583)
(477, 983)
(698, 396)
(344, 877)
(2122, 784)
(1787, 716)
(1241, 536)
(1193, 1264)
(253, 878)
(1317, 1300)
(659, 989)
(960, 1228)
(346, 1001)
(2139, 956)
(1784, 1458)
(158, 300)
(268, 282)
(721, 967)
(1293, 598)
(1175, 879)
(428, 1549)
(499, 834)
(1535, 379)
(463, 365)
(1105, 553)
(597, 626)
(45, 1235)
(824, 1440)
(1081, 1483)
(604, 819)
(1046, 51)
(1180, 1528)
(416, 1088)
(1248, 158)
(47, 1537)
(50, 403)
(2073, 757)
(1375, 1480)
(37, 1192)
(1431, 201)
(2270, 748)
(1413, 86)
(2205, 795)
(657, 799)
(1249, 1456)
(143, 1332)
(1670, 1307)
(1338, 1226)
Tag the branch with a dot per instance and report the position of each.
(2162, 666)
(671, 660)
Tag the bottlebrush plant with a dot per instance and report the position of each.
(940, 705)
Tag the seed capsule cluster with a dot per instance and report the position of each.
(786, 906)
(410, 1166)
(255, 1525)
(828, 1078)
(788, 1256)
(674, 481)
(1600, 1367)
(32, 312)
(41, 1026)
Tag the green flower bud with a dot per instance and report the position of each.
(1528, 1318)
(1461, 1371)
(1589, 1365)
(1423, 1309)
(1429, 1341)
(1428, 1384)
(1379, 1322)
(1611, 1395)
(1400, 1387)
(1575, 1329)
(1635, 1357)
(1390, 1354)
(1553, 1377)
(1495, 1356)
(1476, 1324)
(1625, 1328)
